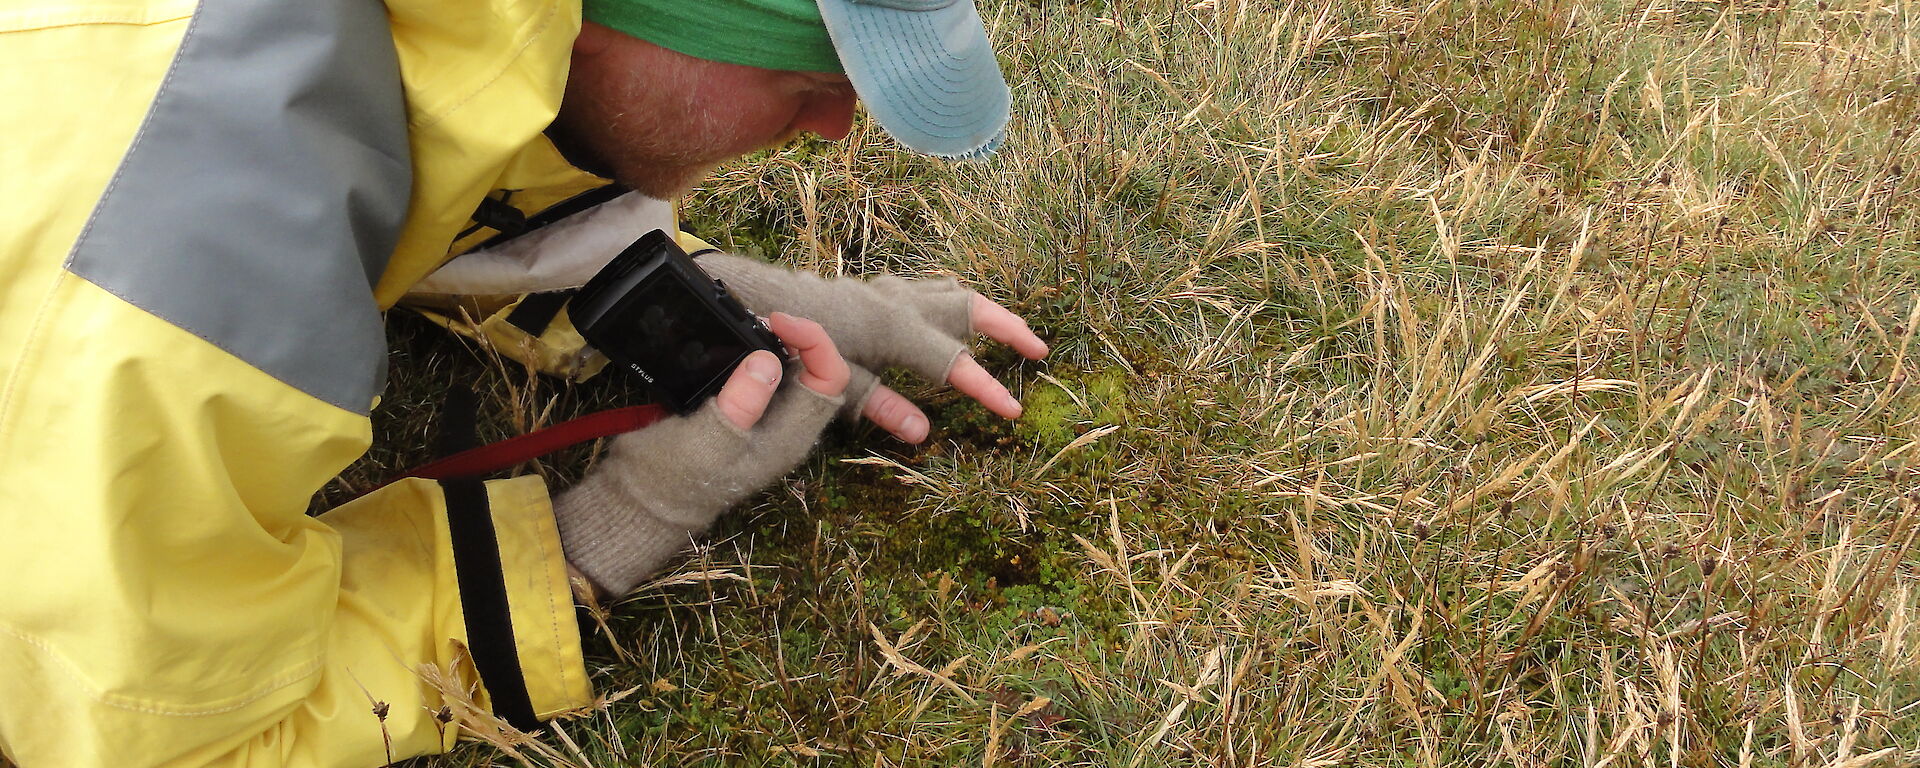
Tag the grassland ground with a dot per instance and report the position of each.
(1435, 383)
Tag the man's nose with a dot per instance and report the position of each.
(827, 114)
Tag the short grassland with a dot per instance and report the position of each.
(1435, 383)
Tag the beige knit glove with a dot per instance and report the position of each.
(878, 323)
(657, 487)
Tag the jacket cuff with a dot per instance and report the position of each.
(515, 599)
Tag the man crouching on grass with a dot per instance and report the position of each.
(213, 202)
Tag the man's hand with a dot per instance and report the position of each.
(921, 325)
(657, 487)
(894, 413)
(748, 391)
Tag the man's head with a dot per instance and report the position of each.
(659, 120)
(663, 90)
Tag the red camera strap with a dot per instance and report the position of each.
(495, 457)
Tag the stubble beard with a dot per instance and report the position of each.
(662, 147)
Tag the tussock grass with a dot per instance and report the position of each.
(1435, 383)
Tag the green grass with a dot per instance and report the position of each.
(1472, 383)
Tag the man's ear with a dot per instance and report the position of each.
(594, 39)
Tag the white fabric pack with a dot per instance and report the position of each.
(562, 255)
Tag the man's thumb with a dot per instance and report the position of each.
(745, 395)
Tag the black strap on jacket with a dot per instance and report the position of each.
(497, 214)
(519, 223)
(459, 427)
(536, 311)
(483, 601)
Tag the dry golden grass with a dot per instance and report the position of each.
(1436, 383)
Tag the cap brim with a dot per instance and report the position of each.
(928, 77)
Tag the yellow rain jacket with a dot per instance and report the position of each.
(210, 202)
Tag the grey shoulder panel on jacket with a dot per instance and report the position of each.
(262, 196)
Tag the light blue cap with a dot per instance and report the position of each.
(926, 72)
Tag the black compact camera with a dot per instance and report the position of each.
(654, 312)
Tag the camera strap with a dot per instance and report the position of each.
(495, 457)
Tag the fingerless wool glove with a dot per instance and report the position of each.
(657, 487)
(879, 323)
